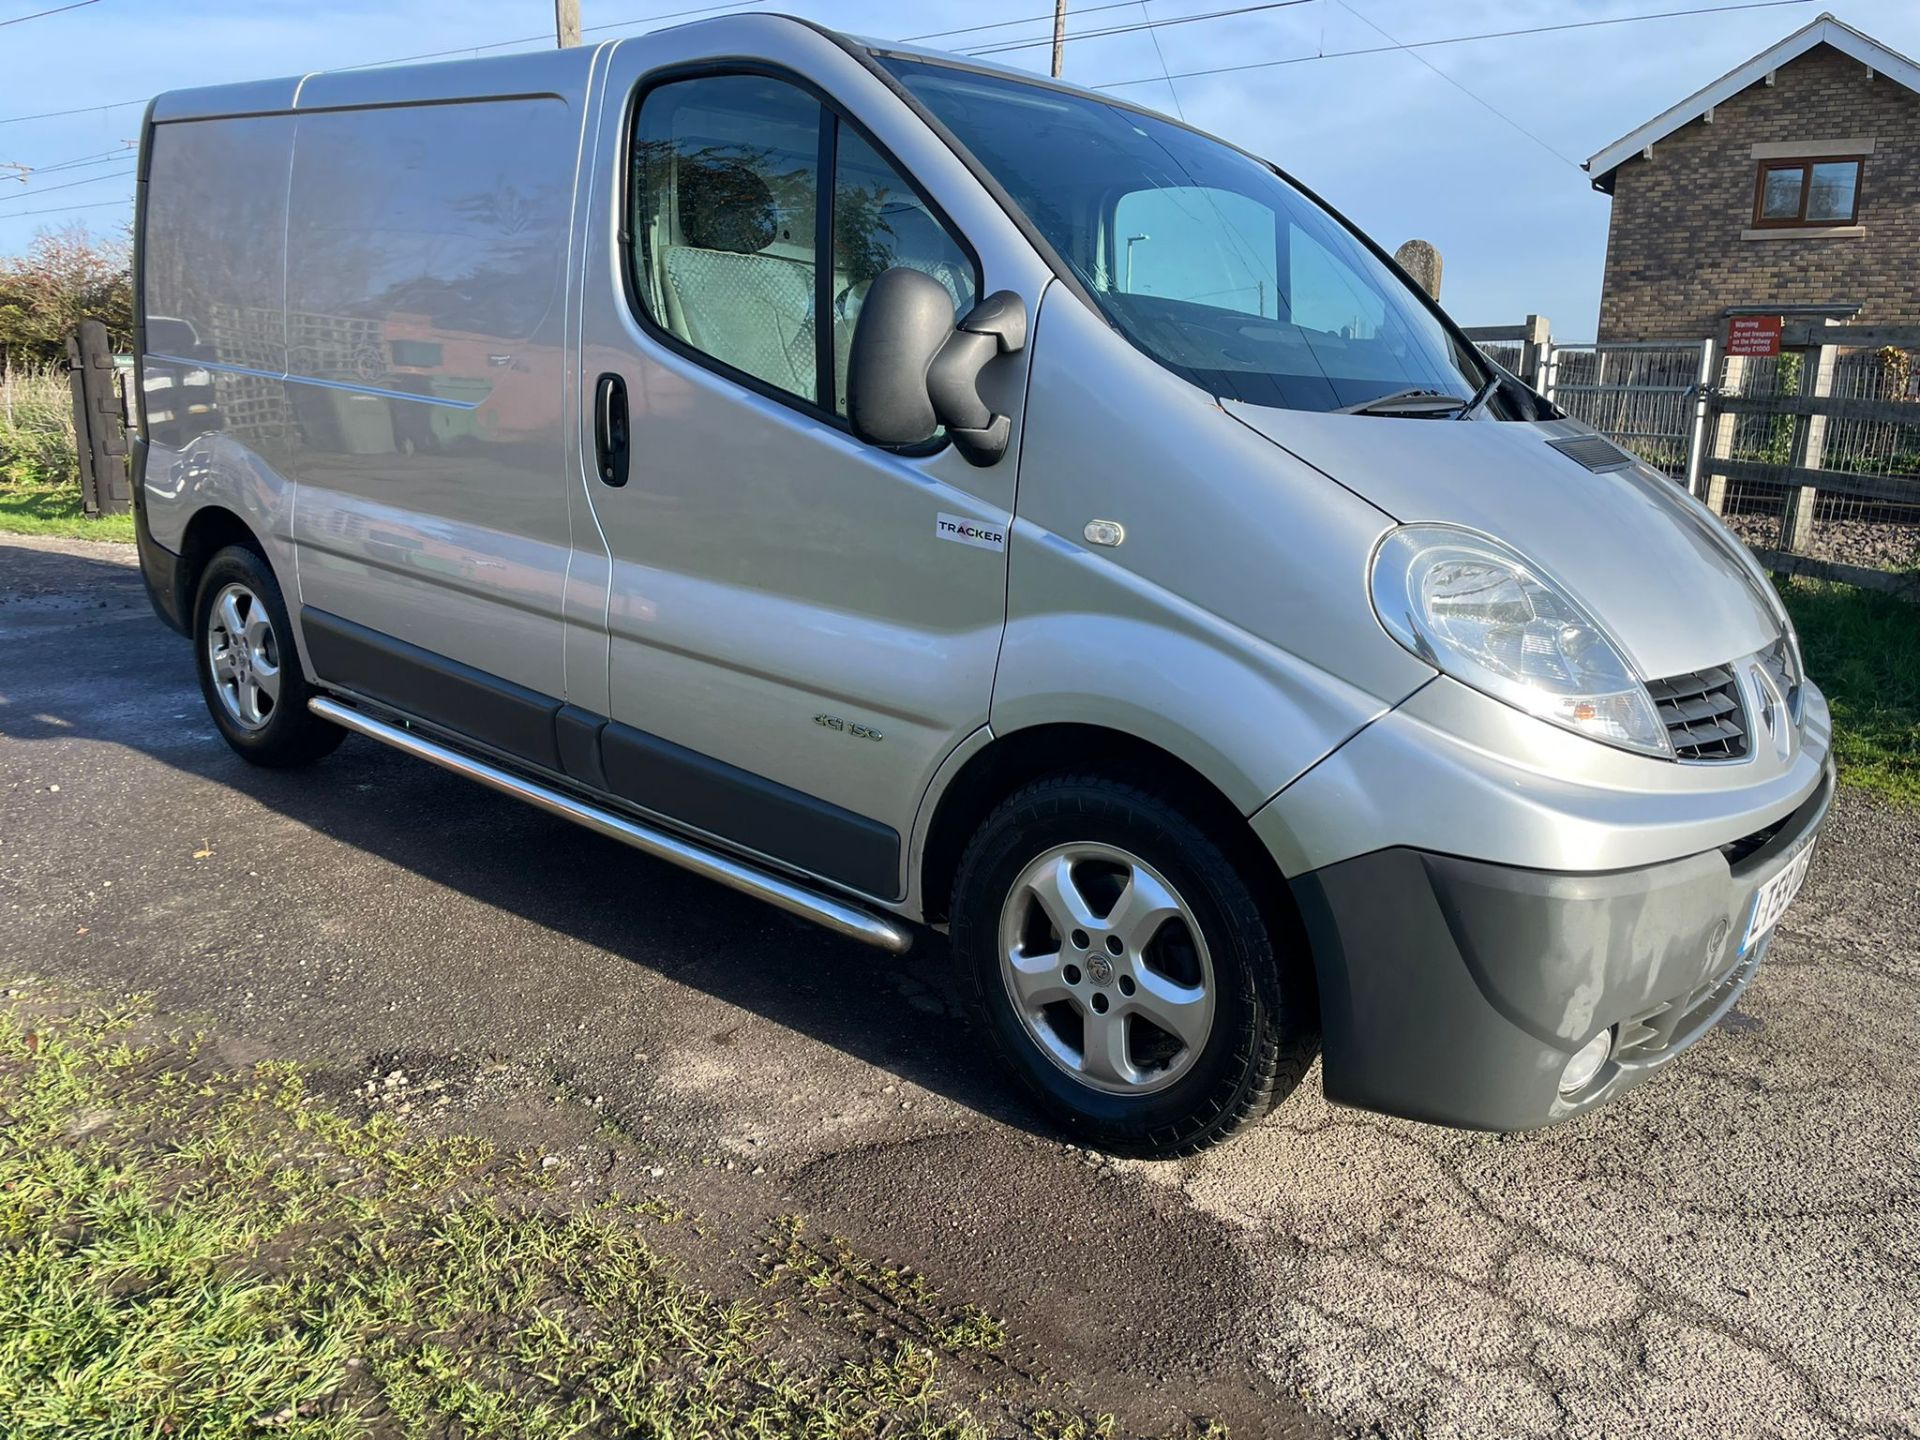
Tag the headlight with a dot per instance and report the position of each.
(1478, 611)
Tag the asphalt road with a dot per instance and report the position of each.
(1730, 1251)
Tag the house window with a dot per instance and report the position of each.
(1807, 194)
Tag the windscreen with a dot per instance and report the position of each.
(1202, 256)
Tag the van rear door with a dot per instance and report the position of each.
(802, 626)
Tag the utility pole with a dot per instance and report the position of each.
(1059, 35)
(566, 22)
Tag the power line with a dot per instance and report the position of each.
(1000, 47)
(35, 192)
(1005, 46)
(1163, 78)
(1006, 24)
(397, 60)
(463, 50)
(66, 209)
(125, 152)
(57, 10)
(546, 35)
(1448, 40)
(83, 110)
(1479, 100)
(1161, 56)
(78, 162)
(673, 15)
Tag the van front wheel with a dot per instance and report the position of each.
(1125, 971)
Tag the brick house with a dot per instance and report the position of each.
(1791, 183)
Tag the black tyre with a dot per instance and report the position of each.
(1126, 972)
(249, 670)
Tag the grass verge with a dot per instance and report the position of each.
(189, 1250)
(39, 472)
(30, 505)
(1863, 649)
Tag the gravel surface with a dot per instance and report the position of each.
(1732, 1250)
(1876, 545)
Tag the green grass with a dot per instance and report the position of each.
(30, 505)
(192, 1251)
(1863, 650)
(39, 473)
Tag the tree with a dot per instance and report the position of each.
(65, 277)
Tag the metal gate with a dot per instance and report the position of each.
(1650, 398)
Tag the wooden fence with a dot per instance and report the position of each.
(1815, 454)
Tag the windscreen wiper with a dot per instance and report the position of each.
(1417, 401)
(1481, 396)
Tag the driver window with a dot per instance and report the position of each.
(726, 184)
(879, 221)
(726, 190)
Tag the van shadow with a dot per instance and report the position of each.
(74, 629)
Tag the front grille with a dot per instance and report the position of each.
(1702, 714)
(1737, 851)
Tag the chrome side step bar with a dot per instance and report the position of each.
(842, 916)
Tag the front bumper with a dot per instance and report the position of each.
(1456, 991)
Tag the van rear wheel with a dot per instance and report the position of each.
(249, 670)
(1125, 971)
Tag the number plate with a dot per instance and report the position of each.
(1773, 898)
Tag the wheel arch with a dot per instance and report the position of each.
(1009, 762)
(211, 530)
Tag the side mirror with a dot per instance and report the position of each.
(912, 370)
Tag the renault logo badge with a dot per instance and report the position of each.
(1772, 706)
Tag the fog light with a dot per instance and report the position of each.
(1584, 1066)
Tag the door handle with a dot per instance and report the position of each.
(611, 433)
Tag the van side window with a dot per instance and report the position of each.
(727, 229)
(726, 184)
(880, 222)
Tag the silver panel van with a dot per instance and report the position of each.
(923, 495)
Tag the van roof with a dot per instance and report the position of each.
(906, 50)
(442, 80)
(516, 74)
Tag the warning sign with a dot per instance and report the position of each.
(1753, 335)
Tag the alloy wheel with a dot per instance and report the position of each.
(243, 656)
(1106, 968)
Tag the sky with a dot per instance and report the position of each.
(1406, 143)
